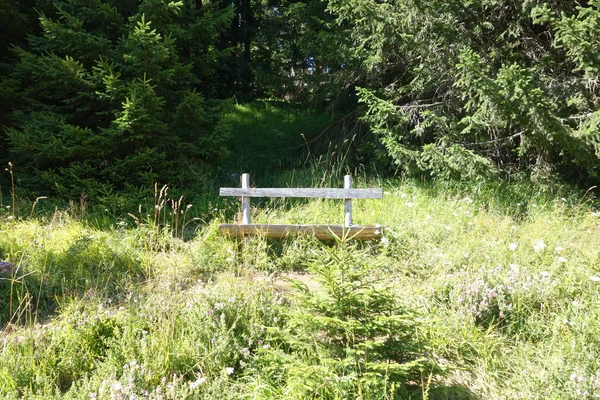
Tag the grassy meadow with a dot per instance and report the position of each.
(473, 293)
(476, 291)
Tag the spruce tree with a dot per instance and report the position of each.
(472, 88)
(110, 100)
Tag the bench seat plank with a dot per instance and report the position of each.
(327, 193)
(321, 232)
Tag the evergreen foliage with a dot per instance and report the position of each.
(348, 339)
(111, 100)
(298, 50)
(109, 95)
(471, 88)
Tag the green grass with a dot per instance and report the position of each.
(269, 136)
(494, 290)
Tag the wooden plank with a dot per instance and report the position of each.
(347, 202)
(321, 232)
(326, 193)
(245, 200)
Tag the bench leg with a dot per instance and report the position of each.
(245, 200)
(347, 202)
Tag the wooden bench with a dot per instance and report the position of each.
(322, 232)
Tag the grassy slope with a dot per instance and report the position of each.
(507, 297)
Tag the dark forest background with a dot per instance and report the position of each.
(104, 97)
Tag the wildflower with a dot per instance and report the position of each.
(197, 382)
(562, 260)
(6, 267)
(384, 241)
(573, 376)
(539, 245)
(229, 370)
(117, 387)
(595, 278)
(513, 246)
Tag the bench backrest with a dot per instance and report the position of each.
(347, 193)
(325, 193)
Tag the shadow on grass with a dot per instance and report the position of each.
(31, 291)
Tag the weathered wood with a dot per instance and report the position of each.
(321, 232)
(327, 193)
(245, 200)
(347, 202)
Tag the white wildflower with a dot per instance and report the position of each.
(539, 245)
(595, 278)
(513, 246)
(117, 387)
(562, 260)
(229, 370)
(197, 382)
